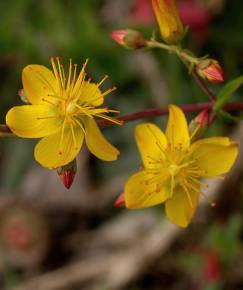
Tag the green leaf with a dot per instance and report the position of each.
(226, 92)
(229, 117)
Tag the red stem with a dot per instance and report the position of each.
(201, 83)
(237, 106)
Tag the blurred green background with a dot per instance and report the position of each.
(33, 31)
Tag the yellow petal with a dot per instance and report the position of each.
(55, 151)
(177, 130)
(33, 121)
(168, 19)
(97, 143)
(140, 194)
(179, 209)
(39, 82)
(215, 155)
(91, 94)
(151, 141)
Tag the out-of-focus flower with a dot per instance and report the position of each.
(24, 235)
(62, 112)
(67, 173)
(212, 268)
(129, 38)
(211, 70)
(120, 201)
(197, 16)
(142, 12)
(173, 167)
(171, 28)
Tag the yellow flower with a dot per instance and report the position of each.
(61, 111)
(173, 167)
(169, 21)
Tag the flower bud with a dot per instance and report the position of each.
(129, 38)
(202, 119)
(67, 173)
(199, 124)
(211, 70)
(22, 95)
(120, 201)
(171, 27)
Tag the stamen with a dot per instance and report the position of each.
(198, 181)
(118, 122)
(54, 68)
(60, 73)
(72, 84)
(80, 80)
(49, 102)
(208, 200)
(108, 92)
(62, 136)
(69, 75)
(74, 138)
(154, 160)
(63, 75)
(57, 97)
(80, 125)
(187, 194)
(49, 117)
(83, 110)
(102, 81)
(172, 184)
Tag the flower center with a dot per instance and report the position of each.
(175, 167)
(71, 109)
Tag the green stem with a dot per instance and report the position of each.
(174, 49)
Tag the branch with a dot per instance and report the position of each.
(189, 108)
(201, 83)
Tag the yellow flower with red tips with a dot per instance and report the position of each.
(173, 167)
(62, 112)
(171, 28)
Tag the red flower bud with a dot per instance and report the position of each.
(120, 201)
(22, 95)
(67, 173)
(211, 70)
(118, 36)
(214, 73)
(67, 178)
(198, 125)
(129, 38)
(202, 119)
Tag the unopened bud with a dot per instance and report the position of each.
(171, 27)
(199, 124)
(67, 173)
(120, 201)
(202, 119)
(211, 70)
(129, 38)
(22, 95)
